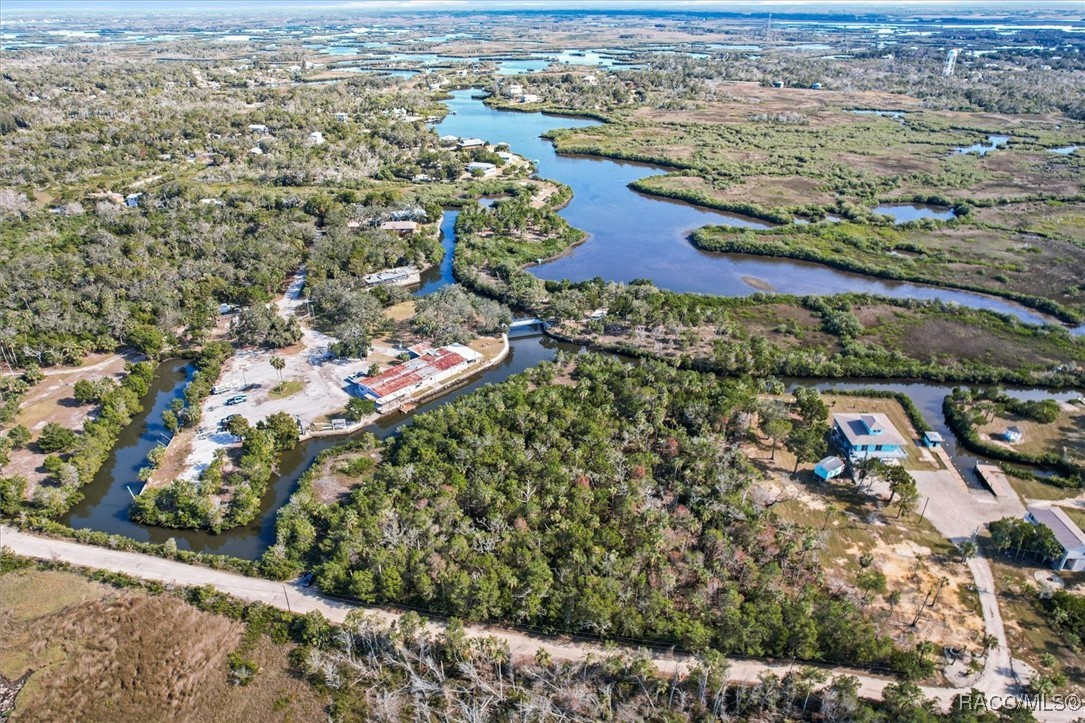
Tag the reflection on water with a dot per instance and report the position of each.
(106, 502)
(905, 212)
(631, 235)
(982, 149)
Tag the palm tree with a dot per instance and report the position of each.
(278, 364)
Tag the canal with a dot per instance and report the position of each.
(631, 236)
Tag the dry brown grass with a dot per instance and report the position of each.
(1065, 435)
(950, 339)
(101, 654)
(767, 191)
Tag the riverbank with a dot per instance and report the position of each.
(635, 236)
(893, 254)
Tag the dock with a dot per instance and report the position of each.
(995, 479)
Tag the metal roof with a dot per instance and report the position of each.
(1066, 532)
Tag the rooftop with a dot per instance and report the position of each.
(428, 364)
(1066, 532)
(872, 428)
(831, 463)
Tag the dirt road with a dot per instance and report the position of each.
(294, 597)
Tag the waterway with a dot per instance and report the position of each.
(635, 236)
(631, 235)
(107, 498)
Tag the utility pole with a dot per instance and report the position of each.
(287, 596)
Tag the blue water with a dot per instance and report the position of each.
(441, 275)
(106, 499)
(982, 149)
(631, 235)
(905, 212)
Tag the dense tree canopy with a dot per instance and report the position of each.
(616, 505)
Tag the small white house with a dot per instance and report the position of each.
(1066, 532)
(529, 98)
(480, 168)
(316, 138)
(342, 117)
(471, 143)
(257, 128)
(132, 199)
(829, 468)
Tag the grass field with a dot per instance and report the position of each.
(99, 653)
(282, 390)
(1036, 490)
(968, 255)
(763, 137)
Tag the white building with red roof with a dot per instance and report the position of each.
(417, 377)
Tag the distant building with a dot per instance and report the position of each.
(529, 98)
(316, 138)
(399, 276)
(815, 86)
(449, 140)
(932, 439)
(401, 227)
(861, 436)
(829, 468)
(342, 117)
(1013, 435)
(256, 151)
(132, 199)
(485, 169)
(257, 128)
(1066, 532)
(777, 84)
(424, 373)
(471, 143)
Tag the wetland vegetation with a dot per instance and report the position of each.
(168, 198)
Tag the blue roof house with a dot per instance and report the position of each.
(828, 468)
(862, 436)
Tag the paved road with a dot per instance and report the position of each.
(292, 596)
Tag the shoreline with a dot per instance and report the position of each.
(428, 396)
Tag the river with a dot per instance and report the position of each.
(627, 230)
(635, 236)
